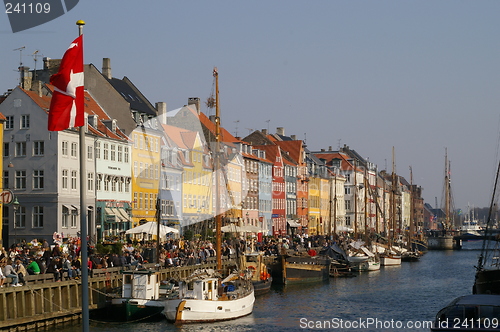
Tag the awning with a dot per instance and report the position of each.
(293, 223)
(124, 215)
(119, 213)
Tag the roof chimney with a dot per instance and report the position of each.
(106, 68)
(212, 118)
(264, 131)
(196, 102)
(37, 87)
(293, 137)
(25, 77)
(280, 131)
(161, 107)
(330, 148)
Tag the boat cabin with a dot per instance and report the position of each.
(201, 289)
(140, 285)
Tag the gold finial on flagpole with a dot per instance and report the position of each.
(80, 22)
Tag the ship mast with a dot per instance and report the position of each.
(218, 220)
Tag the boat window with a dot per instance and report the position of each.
(489, 312)
(128, 279)
(190, 285)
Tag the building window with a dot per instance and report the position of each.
(6, 179)
(74, 147)
(65, 179)
(65, 217)
(106, 184)
(38, 148)
(125, 154)
(113, 152)
(6, 149)
(106, 151)
(20, 217)
(98, 183)
(127, 186)
(73, 180)
(120, 154)
(64, 148)
(113, 185)
(37, 216)
(90, 181)
(135, 200)
(74, 217)
(25, 121)
(9, 123)
(98, 150)
(20, 179)
(38, 179)
(20, 149)
(89, 153)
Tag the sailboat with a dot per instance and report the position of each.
(206, 296)
(487, 279)
(442, 240)
(391, 257)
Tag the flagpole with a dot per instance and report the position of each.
(83, 220)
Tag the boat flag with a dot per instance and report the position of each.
(67, 107)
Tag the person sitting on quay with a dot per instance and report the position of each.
(55, 267)
(20, 270)
(33, 268)
(9, 272)
(76, 267)
(66, 267)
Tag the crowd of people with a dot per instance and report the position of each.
(63, 259)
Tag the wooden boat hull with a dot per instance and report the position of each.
(262, 286)
(487, 282)
(391, 260)
(196, 311)
(300, 269)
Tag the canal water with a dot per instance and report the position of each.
(393, 299)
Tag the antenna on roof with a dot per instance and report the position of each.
(305, 139)
(35, 57)
(268, 124)
(20, 49)
(236, 131)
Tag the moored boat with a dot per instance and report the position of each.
(469, 313)
(203, 297)
(141, 298)
(261, 276)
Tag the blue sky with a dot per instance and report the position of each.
(421, 76)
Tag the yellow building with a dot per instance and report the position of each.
(196, 175)
(145, 174)
(314, 211)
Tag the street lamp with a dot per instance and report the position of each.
(15, 206)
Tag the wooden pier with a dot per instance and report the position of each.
(37, 305)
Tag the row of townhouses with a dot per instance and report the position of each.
(144, 163)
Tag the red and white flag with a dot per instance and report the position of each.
(67, 107)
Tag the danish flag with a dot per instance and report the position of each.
(67, 107)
